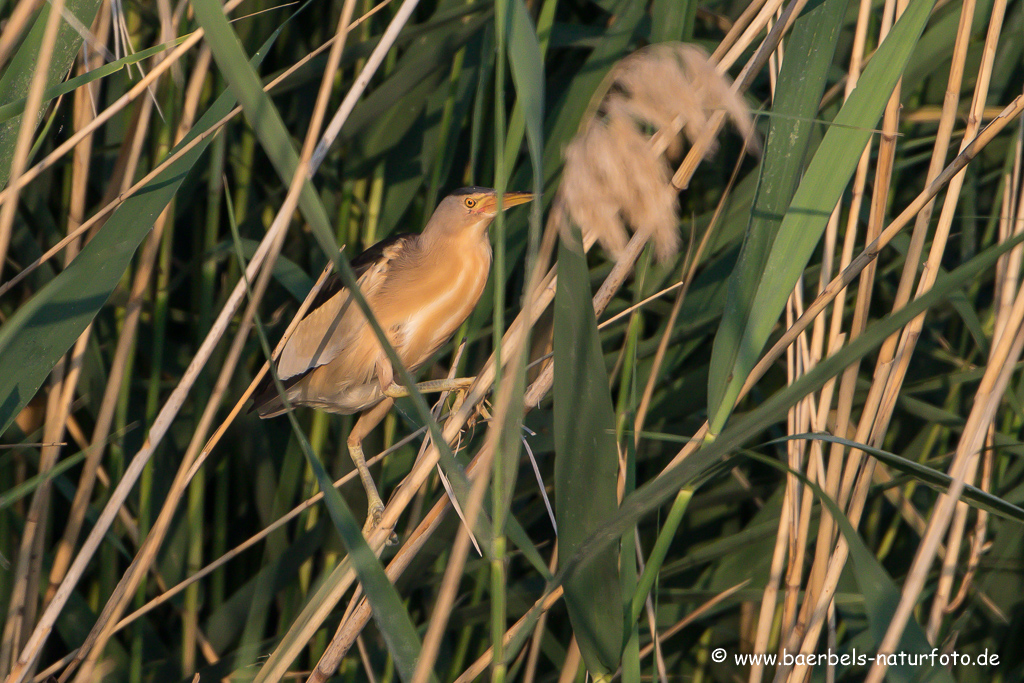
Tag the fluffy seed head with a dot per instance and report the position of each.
(614, 176)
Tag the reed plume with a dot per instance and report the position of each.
(616, 173)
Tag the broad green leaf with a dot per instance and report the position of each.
(526, 59)
(42, 330)
(673, 20)
(586, 463)
(18, 73)
(822, 185)
(802, 80)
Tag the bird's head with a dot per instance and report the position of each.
(471, 208)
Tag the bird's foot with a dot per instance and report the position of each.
(374, 516)
(480, 414)
(433, 386)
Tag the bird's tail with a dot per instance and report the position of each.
(266, 400)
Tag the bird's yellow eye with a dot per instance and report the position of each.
(470, 202)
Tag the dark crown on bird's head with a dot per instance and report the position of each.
(472, 189)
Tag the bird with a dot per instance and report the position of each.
(420, 288)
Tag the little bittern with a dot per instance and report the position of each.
(420, 288)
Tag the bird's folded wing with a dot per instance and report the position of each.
(334, 321)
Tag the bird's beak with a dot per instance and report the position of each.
(490, 204)
(511, 199)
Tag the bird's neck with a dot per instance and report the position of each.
(447, 244)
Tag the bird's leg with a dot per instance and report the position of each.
(363, 426)
(431, 387)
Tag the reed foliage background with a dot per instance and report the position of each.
(800, 433)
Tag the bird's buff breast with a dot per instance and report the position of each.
(435, 305)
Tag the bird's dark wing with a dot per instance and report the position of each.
(360, 264)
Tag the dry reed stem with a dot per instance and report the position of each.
(877, 208)
(704, 142)
(831, 472)
(875, 423)
(769, 596)
(107, 622)
(796, 496)
(125, 193)
(364, 657)
(930, 268)
(950, 561)
(125, 345)
(1009, 265)
(82, 114)
(987, 400)
(29, 118)
(570, 667)
(870, 252)
(839, 557)
(1005, 285)
(733, 34)
(764, 14)
(16, 183)
(448, 590)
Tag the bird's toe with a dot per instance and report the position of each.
(373, 518)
